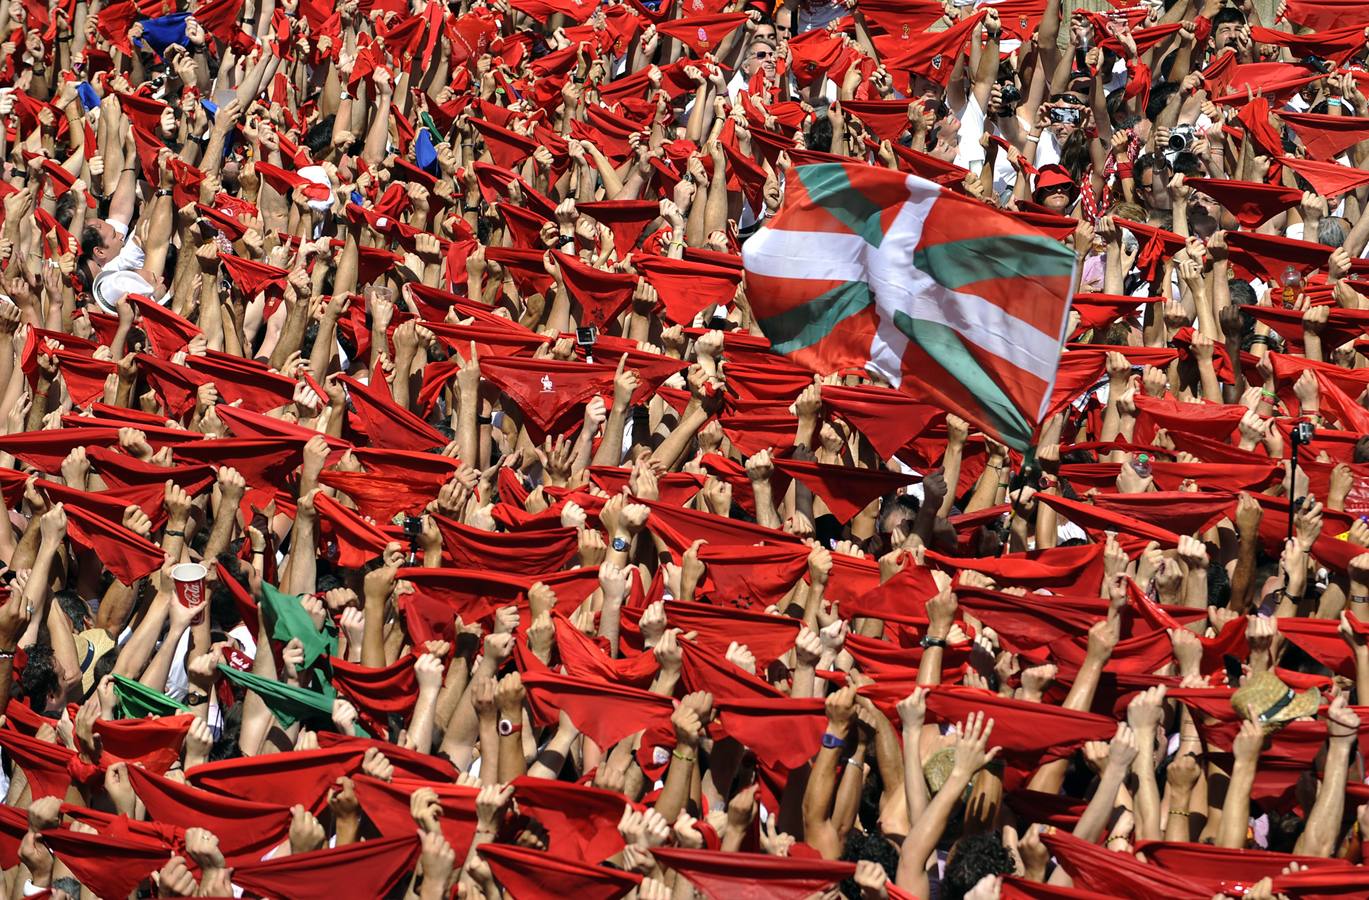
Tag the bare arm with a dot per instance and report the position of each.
(1324, 821)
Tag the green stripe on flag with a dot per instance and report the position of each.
(810, 322)
(956, 264)
(829, 184)
(946, 347)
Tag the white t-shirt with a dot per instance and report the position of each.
(970, 154)
(119, 276)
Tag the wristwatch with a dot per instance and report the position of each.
(506, 728)
(194, 698)
(620, 544)
(831, 741)
(930, 641)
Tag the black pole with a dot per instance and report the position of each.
(1292, 488)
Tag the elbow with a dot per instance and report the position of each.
(69, 683)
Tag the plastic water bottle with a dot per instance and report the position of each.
(1141, 465)
(1292, 280)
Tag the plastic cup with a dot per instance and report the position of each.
(188, 579)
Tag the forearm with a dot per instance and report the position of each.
(115, 606)
(984, 493)
(609, 622)
(1311, 345)
(399, 385)
(929, 667)
(1207, 378)
(1236, 809)
(1195, 588)
(458, 738)
(1080, 697)
(6, 679)
(1324, 821)
(715, 210)
(950, 466)
(173, 536)
(1095, 816)
(553, 756)
(373, 637)
(766, 515)
(822, 779)
(804, 680)
(610, 451)
(122, 205)
(159, 234)
(27, 550)
(154, 676)
(678, 779)
(63, 644)
(489, 738)
(303, 558)
(847, 801)
(292, 334)
(1147, 806)
(1176, 822)
(914, 781)
(924, 836)
(134, 655)
(225, 522)
(325, 346)
(670, 450)
(1243, 578)
(377, 135)
(421, 725)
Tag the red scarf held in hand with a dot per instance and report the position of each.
(531, 873)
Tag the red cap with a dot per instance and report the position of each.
(1054, 175)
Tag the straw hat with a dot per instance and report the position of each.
(92, 644)
(938, 767)
(1274, 702)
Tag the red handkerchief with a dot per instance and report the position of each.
(109, 866)
(531, 873)
(246, 828)
(368, 868)
(387, 806)
(845, 490)
(720, 874)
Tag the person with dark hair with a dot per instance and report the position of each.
(40, 683)
(1228, 30)
(971, 859)
(869, 846)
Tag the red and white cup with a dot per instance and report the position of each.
(188, 579)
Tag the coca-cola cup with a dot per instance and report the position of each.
(188, 579)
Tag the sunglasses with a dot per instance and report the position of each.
(761, 54)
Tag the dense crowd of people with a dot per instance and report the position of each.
(409, 495)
